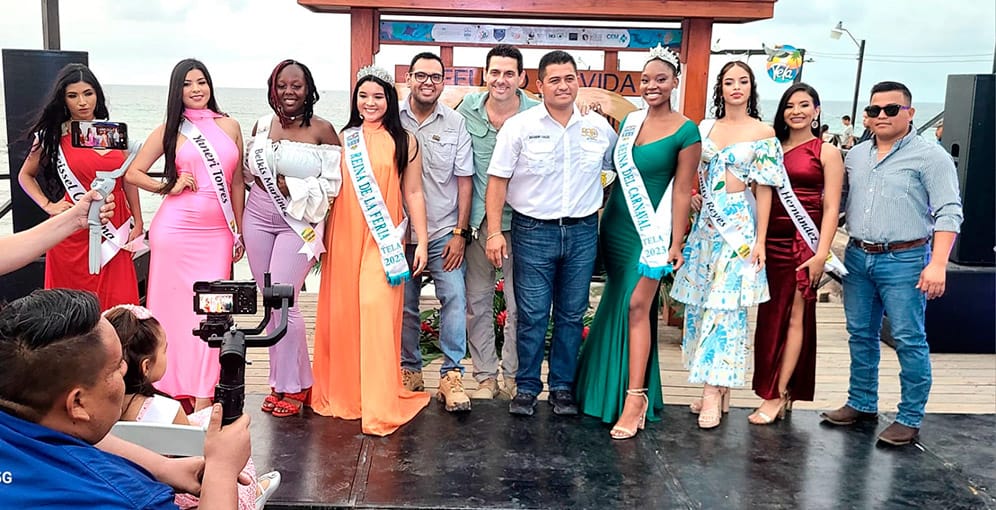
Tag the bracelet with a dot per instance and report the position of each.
(493, 235)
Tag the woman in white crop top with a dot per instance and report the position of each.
(292, 162)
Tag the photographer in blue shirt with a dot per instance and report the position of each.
(61, 391)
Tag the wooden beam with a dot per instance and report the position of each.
(696, 42)
(50, 24)
(725, 11)
(364, 40)
(611, 61)
(446, 53)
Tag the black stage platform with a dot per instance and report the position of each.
(490, 459)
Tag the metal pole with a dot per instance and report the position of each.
(798, 76)
(50, 24)
(857, 83)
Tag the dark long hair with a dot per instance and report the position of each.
(48, 124)
(391, 120)
(174, 114)
(139, 342)
(781, 127)
(719, 105)
(310, 98)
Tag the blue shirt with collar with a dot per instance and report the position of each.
(905, 196)
(44, 468)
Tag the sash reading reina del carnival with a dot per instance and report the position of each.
(388, 237)
(116, 238)
(311, 235)
(653, 227)
(213, 166)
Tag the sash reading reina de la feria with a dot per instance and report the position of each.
(311, 235)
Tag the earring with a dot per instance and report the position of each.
(815, 124)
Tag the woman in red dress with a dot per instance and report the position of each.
(77, 95)
(785, 337)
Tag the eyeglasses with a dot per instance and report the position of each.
(421, 77)
(891, 110)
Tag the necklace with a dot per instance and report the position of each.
(130, 401)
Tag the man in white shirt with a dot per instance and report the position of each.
(847, 137)
(547, 165)
(447, 182)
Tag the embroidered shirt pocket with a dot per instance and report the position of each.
(539, 154)
(440, 153)
(592, 153)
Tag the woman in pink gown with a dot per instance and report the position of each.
(194, 235)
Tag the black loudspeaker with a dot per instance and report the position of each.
(969, 135)
(28, 76)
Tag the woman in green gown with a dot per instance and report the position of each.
(618, 375)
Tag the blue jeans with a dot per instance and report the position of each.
(452, 297)
(886, 282)
(553, 265)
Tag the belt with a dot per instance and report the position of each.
(887, 247)
(561, 221)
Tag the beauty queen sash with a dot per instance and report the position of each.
(115, 238)
(800, 218)
(311, 235)
(388, 237)
(653, 227)
(213, 165)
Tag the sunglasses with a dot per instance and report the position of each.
(421, 77)
(891, 110)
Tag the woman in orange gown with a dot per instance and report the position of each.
(358, 323)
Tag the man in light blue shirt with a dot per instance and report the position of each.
(485, 113)
(903, 213)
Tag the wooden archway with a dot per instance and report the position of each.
(696, 18)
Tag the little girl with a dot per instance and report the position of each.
(143, 345)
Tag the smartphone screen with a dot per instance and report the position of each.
(100, 134)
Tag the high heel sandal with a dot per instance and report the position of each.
(696, 407)
(760, 418)
(620, 432)
(292, 403)
(271, 400)
(709, 416)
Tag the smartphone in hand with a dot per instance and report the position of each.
(100, 134)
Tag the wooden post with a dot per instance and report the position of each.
(365, 39)
(695, 51)
(446, 53)
(611, 63)
(50, 24)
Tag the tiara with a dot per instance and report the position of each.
(377, 72)
(140, 312)
(666, 54)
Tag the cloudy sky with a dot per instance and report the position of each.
(138, 42)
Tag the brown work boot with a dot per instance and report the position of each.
(847, 415)
(412, 380)
(451, 392)
(898, 434)
(507, 391)
(486, 389)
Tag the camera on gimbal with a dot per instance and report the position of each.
(221, 299)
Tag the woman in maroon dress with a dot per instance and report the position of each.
(785, 337)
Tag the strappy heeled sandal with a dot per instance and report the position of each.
(760, 418)
(711, 415)
(271, 400)
(620, 432)
(292, 403)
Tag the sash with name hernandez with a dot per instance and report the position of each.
(653, 227)
(115, 238)
(800, 218)
(213, 166)
(388, 237)
(311, 235)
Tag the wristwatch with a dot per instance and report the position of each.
(462, 232)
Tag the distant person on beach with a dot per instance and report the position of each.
(361, 298)
(785, 335)
(867, 133)
(293, 160)
(61, 391)
(724, 270)
(547, 165)
(486, 113)
(195, 233)
(939, 130)
(903, 213)
(640, 238)
(847, 136)
(78, 96)
(447, 184)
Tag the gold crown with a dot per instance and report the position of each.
(666, 54)
(378, 72)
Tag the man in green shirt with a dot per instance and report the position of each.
(485, 113)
